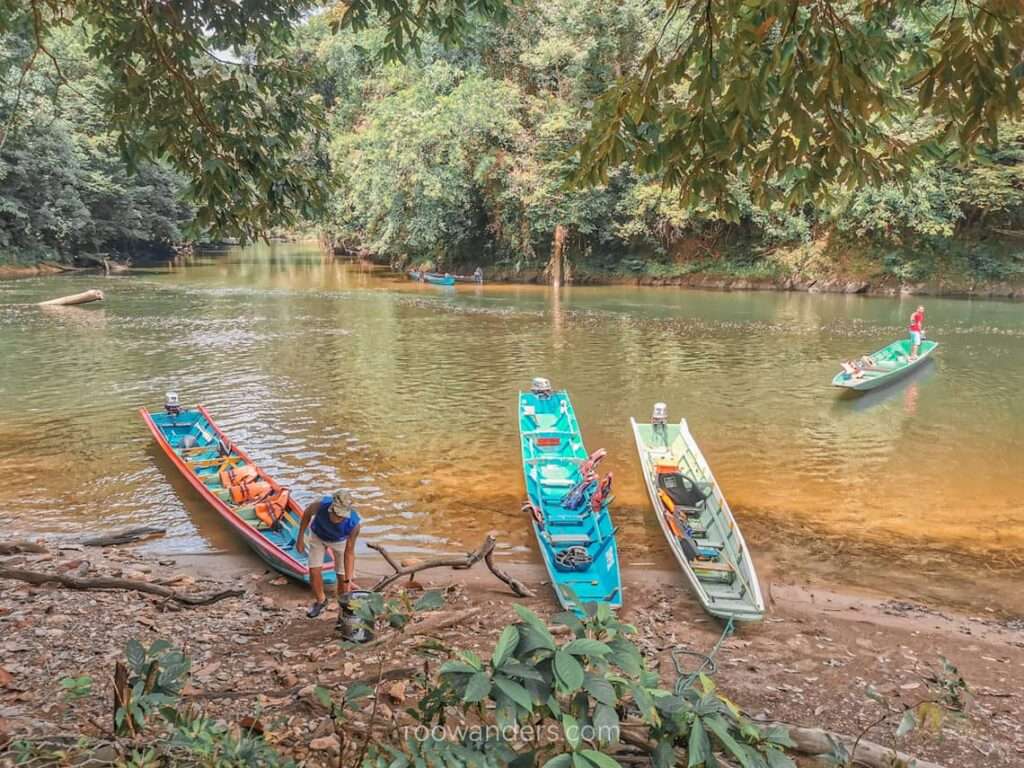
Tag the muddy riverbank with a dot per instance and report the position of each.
(257, 658)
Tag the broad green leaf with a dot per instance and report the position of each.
(563, 760)
(907, 723)
(477, 689)
(698, 746)
(718, 726)
(429, 601)
(585, 647)
(457, 667)
(645, 704)
(777, 759)
(570, 620)
(358, 691)
(606, 724)
(778, 734)
(158, 646)
(505, 646)
(571, 729)
(600, 689)
(568, 671)
(534, 622)
(516, 692)
(599, 759)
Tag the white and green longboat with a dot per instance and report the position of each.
(696, 519)
(885, 366)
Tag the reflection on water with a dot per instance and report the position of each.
(331, 375)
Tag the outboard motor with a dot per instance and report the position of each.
(541, 387)
(349, 626)
(171, 404)
(659, 418)
(659, 421)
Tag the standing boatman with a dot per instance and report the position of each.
(916, 331)
(333, 524)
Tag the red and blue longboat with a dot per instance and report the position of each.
(209, 460)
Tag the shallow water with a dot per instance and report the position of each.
(331, 374)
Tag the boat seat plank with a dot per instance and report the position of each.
(711, 565)
(569, 538)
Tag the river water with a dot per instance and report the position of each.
(334, 374)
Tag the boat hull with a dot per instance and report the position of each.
(875, 379)
(432, 278)
(552, 455)
(715, 528)
(199, 466)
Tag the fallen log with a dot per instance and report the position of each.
(813, 742)
(78, 298)
(126, 536)
(20, 547)
(461, 562)
(103, 583)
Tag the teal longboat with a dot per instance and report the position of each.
(568, 503)
(696, 519)
(204, 454)
(432, 277)
(884, 366)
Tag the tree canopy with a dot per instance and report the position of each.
(791, 97)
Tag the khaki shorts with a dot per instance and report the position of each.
(317, 549)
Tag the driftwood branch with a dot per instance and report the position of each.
(77, 298)
(514, 584)
(809, 741)
(425, 627)
(126, 536)
(19, 547)
(114, 583)
(815, 741)
(485, 553)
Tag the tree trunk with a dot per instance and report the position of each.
(556, 267)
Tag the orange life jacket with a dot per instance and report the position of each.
(256, 490)
(666, 500)
(671, 520)
(235, 475)
(273, 508)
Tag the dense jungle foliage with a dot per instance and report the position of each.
(460, 157)
(470, 146)
(64, 187)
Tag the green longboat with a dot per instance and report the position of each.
(696, 519)
(886, 365)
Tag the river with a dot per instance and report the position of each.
(335, 374)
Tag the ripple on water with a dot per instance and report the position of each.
(380, 388)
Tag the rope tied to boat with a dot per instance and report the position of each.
(707, 666)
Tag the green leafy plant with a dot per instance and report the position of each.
(948, 695)
(151, 679)
(536, 700)
(76, 687)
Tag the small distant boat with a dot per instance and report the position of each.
(432, 277)
(882, 367)
(266, 516)
(567, 502)
(696, 519)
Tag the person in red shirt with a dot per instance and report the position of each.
(916, 331)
